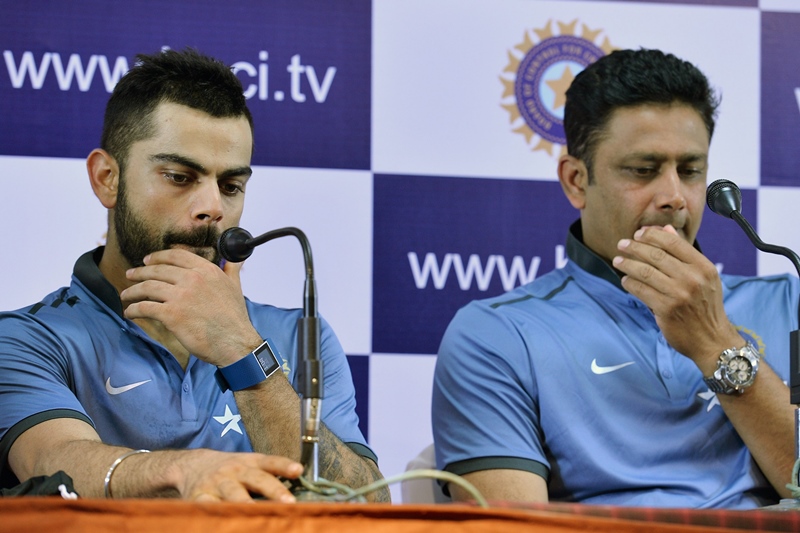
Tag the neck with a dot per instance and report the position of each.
(159, 333)
(113, 266)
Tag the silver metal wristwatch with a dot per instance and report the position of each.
(736, 370)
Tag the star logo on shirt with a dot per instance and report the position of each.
(230, 421)
(709, 395)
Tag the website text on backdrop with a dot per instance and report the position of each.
(636, 375)
(153, 346)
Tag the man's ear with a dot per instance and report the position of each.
(103, 176)
(574, 178)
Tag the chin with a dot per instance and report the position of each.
(206, 252)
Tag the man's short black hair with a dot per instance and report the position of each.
(188, 78)
(626, 78)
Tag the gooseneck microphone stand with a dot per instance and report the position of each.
(236, 245)
(725, 198)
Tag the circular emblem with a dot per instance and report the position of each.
(537, 77)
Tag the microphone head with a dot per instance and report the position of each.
(232, 245)
(724, 197)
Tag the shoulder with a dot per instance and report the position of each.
(284, 319)
(551, 290)
(778, 283)
(59, 314)
(269, 313)
(502, 323)
(281, 325)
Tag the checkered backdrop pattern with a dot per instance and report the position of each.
(414, 141)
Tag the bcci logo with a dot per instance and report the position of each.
(537, 77)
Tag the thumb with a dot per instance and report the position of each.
(233, 271)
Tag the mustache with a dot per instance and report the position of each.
(206, 236)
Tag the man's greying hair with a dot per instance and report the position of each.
(187, 78)
(626, 78)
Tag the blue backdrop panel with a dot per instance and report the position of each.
(780, 105)
(359, 367)
(722, 241)
(305, 65)
(456, 230)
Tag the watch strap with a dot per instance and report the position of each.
(718, 386)
(251, 370)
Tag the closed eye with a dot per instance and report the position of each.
(177, 177)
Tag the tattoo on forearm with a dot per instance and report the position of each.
(339, 463)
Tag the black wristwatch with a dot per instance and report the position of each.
(736, 370)
(251, 370)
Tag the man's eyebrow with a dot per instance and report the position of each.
(244, 172)
(691, 158)
(197, 167)
(655, 156)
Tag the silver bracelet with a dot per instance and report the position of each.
(114, 465)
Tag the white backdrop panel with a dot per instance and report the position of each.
(784, 6)
(50, 217)
(400, 410)
(777, 224)
(437, 94)
(334, 210)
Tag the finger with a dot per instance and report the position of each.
(269, 487)
(668, 239)
(176, 256)
(642, 275)
(233, 271)
(669, 229)
(147, 291)
(650, 264)
(205, 497)
(235, 490)
(163, 272)
(279, 466)
(652, 298)
(154, 310)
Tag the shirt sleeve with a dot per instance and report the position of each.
(485, 413)
(34, 382)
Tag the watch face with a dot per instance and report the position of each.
(739, 370)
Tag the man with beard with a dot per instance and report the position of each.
(153, 346)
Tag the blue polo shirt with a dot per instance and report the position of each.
(569, 377)
(74, 355)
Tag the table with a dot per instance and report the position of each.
(174, 516)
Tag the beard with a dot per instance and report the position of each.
(137, 240)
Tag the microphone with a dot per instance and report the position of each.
(724, 198)
(237, 244)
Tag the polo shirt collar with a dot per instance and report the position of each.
(88, 273)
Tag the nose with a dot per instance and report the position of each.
(670, 195)
(207, 205)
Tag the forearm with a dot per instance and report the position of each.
(337, 462)
(88, 463)
(764, 418)
(73, 447)
(271, 414)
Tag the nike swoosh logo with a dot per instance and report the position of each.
(599, 370)
(124, 388)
